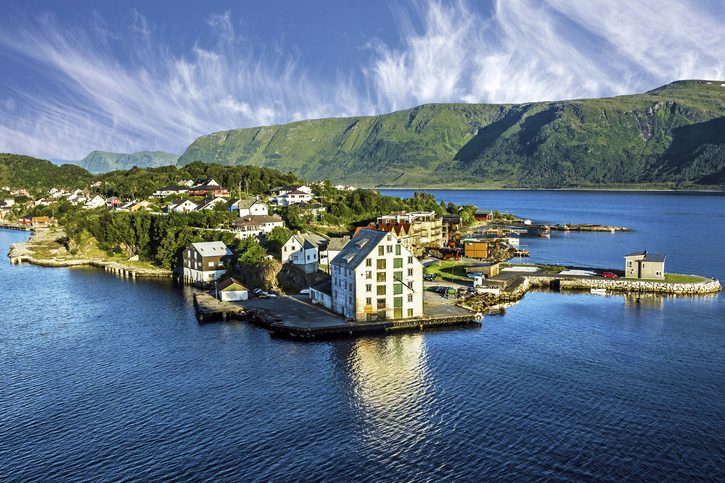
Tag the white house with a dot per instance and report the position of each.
(321, 293)
(256, 225)
(210, 204)
(95, 202)
(334, 246)
(294, 197)
(302, 250)
(231, 290)
(249, 206)
(169, 190)
(182, 207)
(205, 262)
(375, 277)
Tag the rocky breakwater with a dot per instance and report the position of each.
(705, 286)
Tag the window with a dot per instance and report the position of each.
(369, 275)
(368, 301)
(410, 312)
(398, 302)
(211, 264)
(397, 263)
(381, 304)
(381, 290)
(410, 297)
(397, 249)
(389, 237)
(398, 276)
(410, 259)
(369, 287)
(369, 262)
(410, 272)
(381, 264)
(381, 251)
(398, 289)
(381, 277)
(389, 249)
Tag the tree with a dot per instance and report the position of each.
(277, 238)
(249, 251)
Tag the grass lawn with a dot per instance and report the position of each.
(680, 278)
(449, 270)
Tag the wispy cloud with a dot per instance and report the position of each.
(522, 50)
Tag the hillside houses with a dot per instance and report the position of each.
(290, 195)
(248, 206)
(170, 190)
(256, 225)
(208, 187)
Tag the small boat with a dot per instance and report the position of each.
(598, 291)
(544, 235)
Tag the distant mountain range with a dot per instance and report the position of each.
(671, 136)
(103, 161)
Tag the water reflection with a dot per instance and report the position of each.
(392, 391)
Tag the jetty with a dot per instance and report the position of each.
(209, 309)
(15, 226)
(290, 317)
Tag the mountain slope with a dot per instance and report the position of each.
(674, 134)
(103, 161)
(18, 171)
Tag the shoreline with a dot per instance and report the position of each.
(23, 252)
(709, 191)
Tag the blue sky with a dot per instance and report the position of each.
(129, 76)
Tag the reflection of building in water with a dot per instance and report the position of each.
(644, 299)
(392, 389)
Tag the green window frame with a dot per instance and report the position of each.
(397, 263)
(382, 289)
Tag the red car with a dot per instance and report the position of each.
(609, 275)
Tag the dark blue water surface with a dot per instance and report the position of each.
(103, 378)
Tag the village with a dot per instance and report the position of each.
(401, 270)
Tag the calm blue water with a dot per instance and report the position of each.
(104, 379)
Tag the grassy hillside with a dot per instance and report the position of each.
(103, 161)
(38, 174)
(673, 135)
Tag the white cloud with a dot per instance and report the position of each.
(523, 50)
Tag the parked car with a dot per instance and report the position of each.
(429, 277)
(609, 275)
(257, 291)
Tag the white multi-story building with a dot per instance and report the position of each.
(256, 225)
(303, 250)
(205, 261)
(95, 202)
(374, 277)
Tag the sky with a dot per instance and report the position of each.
(128, 76)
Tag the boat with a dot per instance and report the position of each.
(598, 291)
(545, 235)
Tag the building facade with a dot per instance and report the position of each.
(205, 262)
(256, 225)
(425, 230)
(249, 206)
(303, 250)
(644, 265)
(375, 277)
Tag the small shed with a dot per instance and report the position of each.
(487, 269)
(231, 290)
(321, 293)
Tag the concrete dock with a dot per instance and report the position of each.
(294, 317)
(209, 309)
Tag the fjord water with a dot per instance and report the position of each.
(104, 378)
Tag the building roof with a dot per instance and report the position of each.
(245, 203)
(324, 285)
(230, 284)
(648, 257)
(309, 240)
(251, 220)
(297, 192)
(360, 246)
(337, 244)
(211, 249)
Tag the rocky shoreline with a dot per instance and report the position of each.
(24, 253)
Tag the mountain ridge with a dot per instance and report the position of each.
(104, 161)
(674, 134)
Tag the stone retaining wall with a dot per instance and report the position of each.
(627, 285)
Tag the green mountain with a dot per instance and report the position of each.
(673, 135)
(103, 161)
(18, 171)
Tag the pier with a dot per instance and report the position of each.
(15, 226)
(209, 309)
